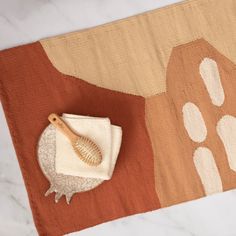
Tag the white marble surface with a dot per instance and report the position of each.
(23, 21)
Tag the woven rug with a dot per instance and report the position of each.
(167, 77)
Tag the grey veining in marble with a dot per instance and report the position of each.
(24, 21)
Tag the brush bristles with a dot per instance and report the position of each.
(88, 151)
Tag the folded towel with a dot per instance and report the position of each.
(106, 136)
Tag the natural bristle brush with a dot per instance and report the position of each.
(84, 147)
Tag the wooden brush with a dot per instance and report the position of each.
(84, 147)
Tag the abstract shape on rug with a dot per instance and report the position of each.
(194, 122)
(226, 129)
(207, 170)
(132, 55)
(196, 118)
(210, 74)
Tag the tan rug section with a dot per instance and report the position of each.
(131, 55)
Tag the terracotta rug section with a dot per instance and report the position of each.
(31, 88)
(167, 77)
(193, 125)
(131, 55)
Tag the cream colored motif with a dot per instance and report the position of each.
(194, 122)
(197, 131)
(211, 77)
(207, 170)
(226, 129)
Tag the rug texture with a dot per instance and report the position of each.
(167, 77)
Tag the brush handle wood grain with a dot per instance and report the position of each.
(58, 122)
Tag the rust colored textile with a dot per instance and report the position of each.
(31, 89)
(167, 77)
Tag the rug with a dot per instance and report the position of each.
(167, 77)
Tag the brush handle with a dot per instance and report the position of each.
(61, 125)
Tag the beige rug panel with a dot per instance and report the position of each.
(131, 55)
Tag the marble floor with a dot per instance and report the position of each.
(24, 21)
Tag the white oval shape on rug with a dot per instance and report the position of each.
(206, 167)
(194, 122)
(210, 74)
(226, 129)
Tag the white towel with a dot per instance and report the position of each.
(106, 136)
